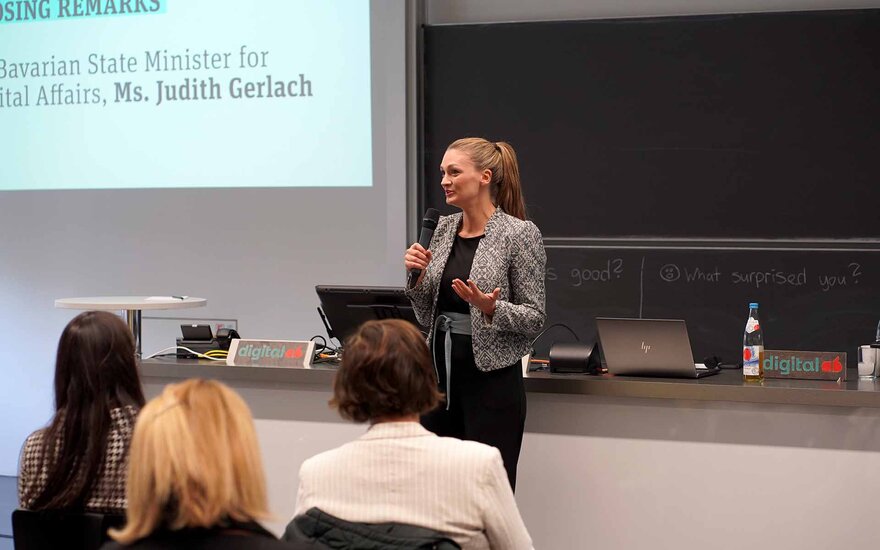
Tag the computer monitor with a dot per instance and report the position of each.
(348, 307)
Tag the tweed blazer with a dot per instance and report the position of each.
(510, 257)
(108, 492)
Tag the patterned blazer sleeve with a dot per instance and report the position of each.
(524, 312)
(422, 298)
(27, 475)
(30, 480)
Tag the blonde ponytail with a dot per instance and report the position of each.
(508, 194)
(500, 158)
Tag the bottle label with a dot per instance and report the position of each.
(752, 325)
(752, 360)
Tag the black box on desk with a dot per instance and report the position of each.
(198, 346)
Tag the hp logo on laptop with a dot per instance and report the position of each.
(645, 347)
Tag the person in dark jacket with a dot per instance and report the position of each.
(229, 536)
(195, 477)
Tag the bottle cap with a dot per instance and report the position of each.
(753, 305)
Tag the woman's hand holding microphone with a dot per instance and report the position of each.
(417, 257)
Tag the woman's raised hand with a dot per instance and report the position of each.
(470, 293)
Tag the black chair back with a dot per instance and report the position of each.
(56, 529)
(323, 530)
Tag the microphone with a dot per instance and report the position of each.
(429, 224)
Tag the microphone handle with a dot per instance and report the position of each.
(425, 241)
(413, 277)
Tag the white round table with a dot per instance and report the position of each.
(132, 307)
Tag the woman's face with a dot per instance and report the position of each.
(462, 183)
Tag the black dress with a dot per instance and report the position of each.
(234, 536)
(489, 407)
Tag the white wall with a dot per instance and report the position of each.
(255, 254)
(618, 473)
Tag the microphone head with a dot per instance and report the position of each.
(432, 216)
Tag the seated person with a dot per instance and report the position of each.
(196, 478)
(399, 472)
(79, 461)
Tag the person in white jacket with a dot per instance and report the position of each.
(399, 471)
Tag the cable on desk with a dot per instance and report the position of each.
(175, 348)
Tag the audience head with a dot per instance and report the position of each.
(499, 159)
(386, 374)
(96, 362)
(95, 371)
(194, 462)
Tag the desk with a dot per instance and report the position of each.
(607, 462)
(725, 386)
(131, 306)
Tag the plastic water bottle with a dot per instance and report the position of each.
(753, 347)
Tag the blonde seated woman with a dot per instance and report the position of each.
(195, 477)
(399, 473)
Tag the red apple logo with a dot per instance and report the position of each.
(747, 354)
(832, 366)
(298, 352)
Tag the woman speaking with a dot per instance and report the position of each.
(481, 292)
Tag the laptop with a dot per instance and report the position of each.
(649, 347)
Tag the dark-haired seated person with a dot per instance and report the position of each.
(196, 478)
(398, 471)
(79, 461)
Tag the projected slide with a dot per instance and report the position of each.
(98, 94)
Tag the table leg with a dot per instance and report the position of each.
(133, 318)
